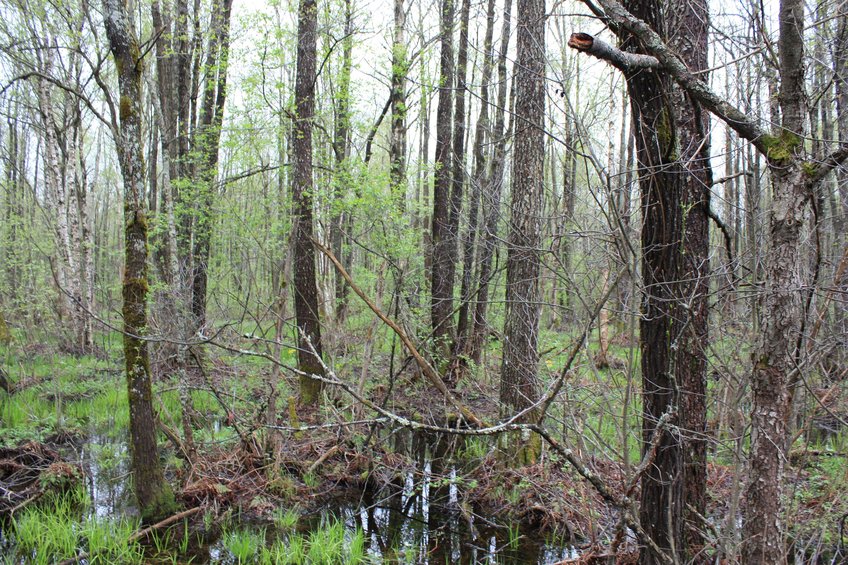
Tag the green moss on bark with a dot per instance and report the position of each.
(5, 336)
(781, 148)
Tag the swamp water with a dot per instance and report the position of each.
(416, 519)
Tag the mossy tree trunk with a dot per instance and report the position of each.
(5, 336)
(153, 495)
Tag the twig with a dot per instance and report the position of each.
(26, 502)
(166, 522)
(326, 455)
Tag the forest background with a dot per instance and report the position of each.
(608, 239)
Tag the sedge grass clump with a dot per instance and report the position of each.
(107, 541)
(287, 519)
(326, 543)
(244, 545)
(42, 537)
(329, 544)
(55, 531)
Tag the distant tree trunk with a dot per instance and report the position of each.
(690, 25)
(458, 175)
(66, 199)
(482, 135)
(491, 199)
(341, 148)
(840, 64)
(208, 141)
(305, 287)
(153, 494)
(441, 277)
(397, 142)
(519, 386)
(5, 336)
(423, 189)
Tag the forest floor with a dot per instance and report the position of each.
(63, 426)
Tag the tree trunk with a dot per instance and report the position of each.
(397, 142)
(660, 179)
(491, 199)
(458, 175)
(153, 494)
(341, 148)
(481, 164)
(441, 276)
(519, 387)
(305, 287)
(208, 143)
(776, 356)
(840, 64)
(690, 22)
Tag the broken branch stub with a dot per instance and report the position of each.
(619, 59)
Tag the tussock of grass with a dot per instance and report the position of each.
(55, 531)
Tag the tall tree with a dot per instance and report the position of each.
(659, 131)
(795, 173)
(441, 274)
(305, 285)
(397, 141)
(491, 197)
(689, 33)
(519, 387)
(482, 134)
(341, 149)
(207, 143)
(660, 179)
(153, 494)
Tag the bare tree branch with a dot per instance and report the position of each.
(622, 60)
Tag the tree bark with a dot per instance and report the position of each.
(341, 148)
(397, 142)
(482, 134)
(153, 494)
(305, 286)
(491, 198)
(519, 387)
(208, 141)
(690, 22)
(660, 181)
(840, 64)
(776, 356)
(441, 275)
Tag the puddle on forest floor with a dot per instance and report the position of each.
(418, 521)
